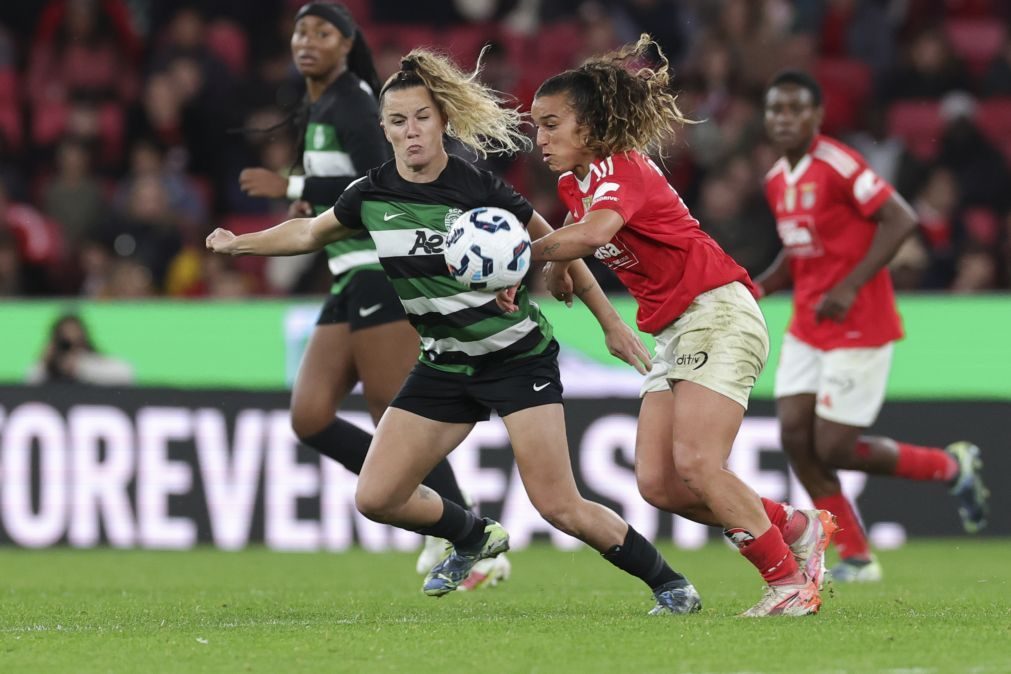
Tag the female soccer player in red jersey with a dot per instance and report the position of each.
(594, 126)
(840, 225)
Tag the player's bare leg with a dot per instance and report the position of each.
(539, 443)
(705, 425)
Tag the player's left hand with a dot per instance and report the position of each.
(835, 304)
(624, 343)
(259, 182)
(506, 300)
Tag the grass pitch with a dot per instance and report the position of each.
(945, 606)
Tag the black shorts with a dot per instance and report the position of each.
(367, 300)
(460, 399)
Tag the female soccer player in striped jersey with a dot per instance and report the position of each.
(475, 356)
(362, 333)
(595, 125)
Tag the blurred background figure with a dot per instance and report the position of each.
(69, 355)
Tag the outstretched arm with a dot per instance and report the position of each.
(622, 341)
(291, 237)
(579, 239)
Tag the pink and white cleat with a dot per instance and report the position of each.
(809, 548)
(788, 600)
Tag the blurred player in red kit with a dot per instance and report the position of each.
(840, 225)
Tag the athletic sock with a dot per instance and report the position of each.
(343, 442)
(850, 539)
(925, 463)
(347, 444)
(768, 553)
(790, 521)
(638, 557)
(459, 526)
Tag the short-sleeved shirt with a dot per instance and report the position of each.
(661, 254)
(824, 207)
(462, 330)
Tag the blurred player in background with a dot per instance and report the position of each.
(362, 333)
(480, 352)
(840, 224)
(595, 125)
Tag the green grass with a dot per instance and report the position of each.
(945, 606)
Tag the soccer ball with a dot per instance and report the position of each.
(488, 249)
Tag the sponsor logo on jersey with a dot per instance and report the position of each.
(428, 243)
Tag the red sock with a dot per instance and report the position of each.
(850, 539)
(925, 463)
(790, 525)
(770, 555)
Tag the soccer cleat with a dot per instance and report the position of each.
(487, 573)
(809, 548)
(447, 575)
(856, 571)
(789, 600)
(968, 486)
(676, 598)
(432, 552)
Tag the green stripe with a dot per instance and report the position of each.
(392, 215)
(352, 245)
(322, 137)
(428, 286)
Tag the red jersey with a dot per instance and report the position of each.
(823, 208)
(661, 254)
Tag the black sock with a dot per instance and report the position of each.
(459, 526)
(442, 480)
(347, 444)
(343, 442)
(638, 557)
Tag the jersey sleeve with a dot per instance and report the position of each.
(620, 188)
(865, 189)
(503, 195)
(348, 208)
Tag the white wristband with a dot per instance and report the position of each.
(295, 186)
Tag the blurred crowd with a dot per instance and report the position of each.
(124, 123)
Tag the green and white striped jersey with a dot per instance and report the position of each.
(462, 330)
(342, 141)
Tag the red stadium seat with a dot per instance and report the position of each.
(994, 119)
(228, 42)
(919, 124)
(847, 84)
(9, 92)
(464, 42)
(976, 41)
(10, 126)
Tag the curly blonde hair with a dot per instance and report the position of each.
(475, 114)
(625, 104)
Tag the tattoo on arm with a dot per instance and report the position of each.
(551, 249)
(588, 287)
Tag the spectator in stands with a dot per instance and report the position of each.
(980, 168)
(70, 356)
(997, 81)
(83, 48)
(929, 70)
(147, 159)
(976, 270)
(74, 198)
(11, 283)
(147, 229)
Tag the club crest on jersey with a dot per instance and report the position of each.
(451, 216)
(808, 195)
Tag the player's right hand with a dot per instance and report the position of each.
(559, 281)
(221, 241)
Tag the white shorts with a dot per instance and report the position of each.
(849, 384)
(720, 342)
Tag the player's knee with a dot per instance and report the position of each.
(374, 504)
(561, 515)
(654, 491)
(694, 463)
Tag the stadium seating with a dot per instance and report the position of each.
(976, 41)
(919, 124)
(994, 119)
(847, 85)
(229, 43)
